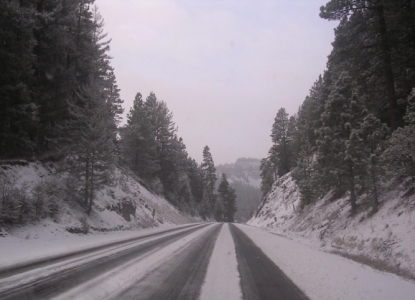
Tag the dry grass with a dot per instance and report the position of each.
(377, 264)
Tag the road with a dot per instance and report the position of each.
(199, 261)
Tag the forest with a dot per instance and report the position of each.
(355, 131)
(60, 102)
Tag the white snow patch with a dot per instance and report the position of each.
(324, 276)
(47, 236)
(17, 250)
(111, 284)
(222, 278)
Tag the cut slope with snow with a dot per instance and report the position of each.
(123, 204)
(385, 238)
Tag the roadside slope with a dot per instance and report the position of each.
(384, 239)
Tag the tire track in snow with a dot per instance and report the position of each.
(261, 279)
(56, 282)
(181, 277)
(43, 262)
(222, 279)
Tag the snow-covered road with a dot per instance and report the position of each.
(203, 261)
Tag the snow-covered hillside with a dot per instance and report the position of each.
(384, 239)
(123, 204)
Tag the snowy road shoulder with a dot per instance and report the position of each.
(324, 276)
(14, 250)
(222, 277)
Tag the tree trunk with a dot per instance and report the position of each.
(375, 190)
(352, 193)
(91, 196)
(86, 179)
(387, 63)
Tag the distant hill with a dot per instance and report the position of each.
(244, 177)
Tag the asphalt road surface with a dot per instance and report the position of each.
(172, 264)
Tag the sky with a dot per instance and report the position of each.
(223, 67)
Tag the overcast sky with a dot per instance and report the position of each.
(224, 67)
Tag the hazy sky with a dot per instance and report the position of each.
(224, 67)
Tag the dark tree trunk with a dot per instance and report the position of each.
(86, 180)
(375, 190)
(352, 193)
(91, 196)
(387, 63)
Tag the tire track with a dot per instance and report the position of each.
(261, 279)
(43, 262)
(181, 277)
(45, 287)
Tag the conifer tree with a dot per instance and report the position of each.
(18, 112)
(138, 141)
(209, 181)
(228, 198)
(267, 175)
(91, 151)
(339, 154)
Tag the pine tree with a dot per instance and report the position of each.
(209, 181)
(400, 152)
(227, 196)
(282, 140)
(267, 175)
(138, 141)
(340, 155)
(91, 154)
(18, 112)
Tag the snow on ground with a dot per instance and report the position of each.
(385, 237)
(222, 277)
(125, 204)
(16, 250)
(111, 284)
(325, 276)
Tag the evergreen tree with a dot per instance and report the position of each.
(228, 197)
(209, 181)
(281, 138)
(339, 154)
(267, 176)
(18, 112)
(91, 152)
(400, 152)
(138, 141)
(195, 174)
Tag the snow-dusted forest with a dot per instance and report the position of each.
(345, 162)
(329, 211)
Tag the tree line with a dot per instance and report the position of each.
(60, 101)
(356, 128)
